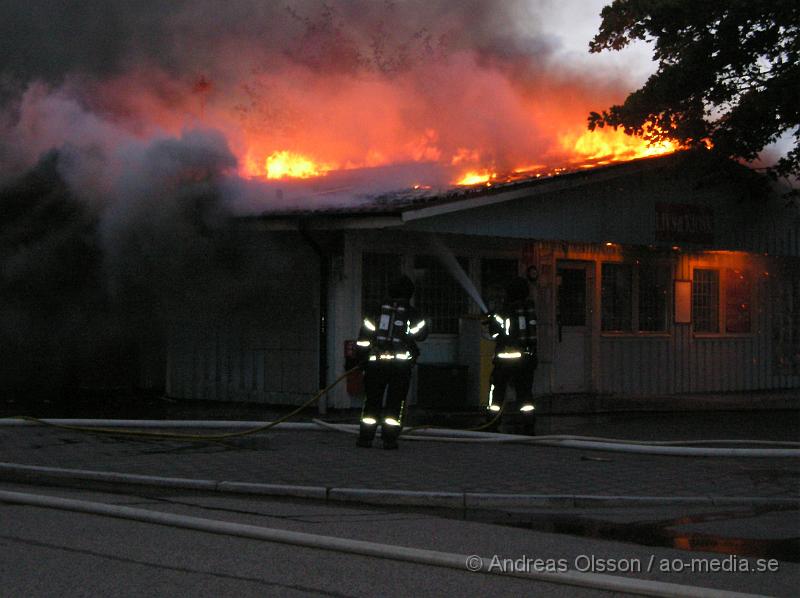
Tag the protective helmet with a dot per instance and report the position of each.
(517, 290)
(401, 288)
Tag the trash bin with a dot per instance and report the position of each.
(442, 386)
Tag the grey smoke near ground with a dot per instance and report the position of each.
(89, 284)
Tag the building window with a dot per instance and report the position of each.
(705, 300)
(377, 270)
(439, 297)
(495, 276)
(722, 300)
(786, 322)
(616, 295)
(654, 282)
(635, 297)
(738, 295)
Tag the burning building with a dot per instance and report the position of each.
(214, 194)
(665, 275)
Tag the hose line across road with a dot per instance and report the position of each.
(466, 563)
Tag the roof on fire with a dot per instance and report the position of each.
(411, 204)
(624, 203)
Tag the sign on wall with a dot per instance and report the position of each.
(683, 301)
(684, 223)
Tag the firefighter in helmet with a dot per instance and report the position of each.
(387, 346)
(513, 328)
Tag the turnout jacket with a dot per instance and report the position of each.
(392, 334)
(514, 330)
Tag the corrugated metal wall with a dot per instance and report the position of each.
(265, 352)
(240, 360)
(684, 362)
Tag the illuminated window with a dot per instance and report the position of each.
(377, 270)
(439, 297)
(722, 304)
(705, 300)
(738, 296)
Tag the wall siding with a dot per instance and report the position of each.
(646, 365)
(266, 353)
(686, 363)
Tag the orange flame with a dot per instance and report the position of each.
(285, 164)
(477, 177)
(588, 149)
(613, 145)
(479, 126)
(578, 150)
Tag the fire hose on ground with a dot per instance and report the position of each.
(436, 558)
(692, 448)
(176, 435)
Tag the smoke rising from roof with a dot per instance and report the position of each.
(49, 39)
(352, 84)
(126, 128)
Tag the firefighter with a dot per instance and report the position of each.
(513, 328)
(387, 346)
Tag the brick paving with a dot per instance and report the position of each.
(331, 459)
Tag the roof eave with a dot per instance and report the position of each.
(539, 187)
(322, 222)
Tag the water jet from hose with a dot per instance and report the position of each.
(450, 262)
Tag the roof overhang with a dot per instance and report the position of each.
(321, 222)
(538, 187)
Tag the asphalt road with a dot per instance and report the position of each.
(51, 552)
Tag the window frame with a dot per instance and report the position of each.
(722, 301)
(464, 261)
(636, 265)
(382, 254)
(633, 300)
(669, 305)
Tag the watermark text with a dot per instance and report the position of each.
(590, 563)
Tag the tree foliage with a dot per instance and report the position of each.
(728, 72)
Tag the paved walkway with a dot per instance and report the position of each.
(331, 459)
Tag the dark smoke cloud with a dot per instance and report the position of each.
(45, 39)
(89, 286)
(50, 278)
(48, 39)
(134, 63)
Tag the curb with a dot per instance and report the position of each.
(467, 501)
